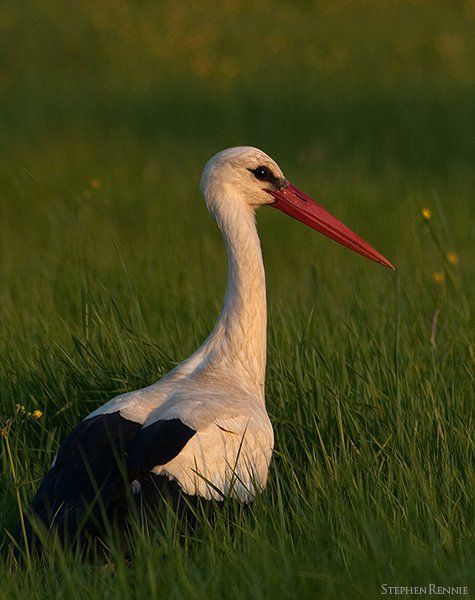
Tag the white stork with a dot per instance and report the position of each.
(203, 429)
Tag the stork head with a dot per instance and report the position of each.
(243, 173)
(246, 177)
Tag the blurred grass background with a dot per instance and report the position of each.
(111, 271)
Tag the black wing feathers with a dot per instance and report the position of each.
(158, 444)
(94, 464)
(86, 470)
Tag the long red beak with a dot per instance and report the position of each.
(297, 204)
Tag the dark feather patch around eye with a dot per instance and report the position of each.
(263, 174)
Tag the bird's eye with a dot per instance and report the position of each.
(262, 173)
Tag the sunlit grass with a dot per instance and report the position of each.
(369, 375)
(111, 272)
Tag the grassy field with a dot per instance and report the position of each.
(111, 271)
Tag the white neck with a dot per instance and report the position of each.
(235, 351)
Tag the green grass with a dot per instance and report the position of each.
(103, 289)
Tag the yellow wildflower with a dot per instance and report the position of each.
(426, 214)
(453, 258)
(95, 183)
(202, 66)
(438, 276)
(37, 414)
(229, 66)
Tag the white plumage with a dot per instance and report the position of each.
(219, 390)
(204, 426)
